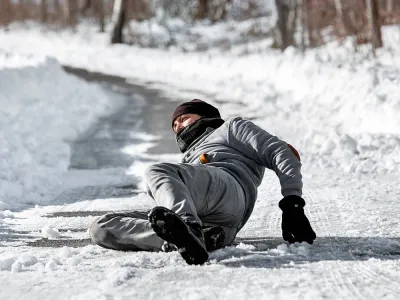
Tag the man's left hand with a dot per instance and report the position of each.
(295, 225)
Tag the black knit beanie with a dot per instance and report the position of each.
(196, 106)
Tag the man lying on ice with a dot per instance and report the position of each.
(205, 200)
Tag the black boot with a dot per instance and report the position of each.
(188, 237)
(214, 237)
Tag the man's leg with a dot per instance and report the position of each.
(202, 192)
(198, 192)
(125, 231)
(225, 209)
(172, 186)
(132, 231)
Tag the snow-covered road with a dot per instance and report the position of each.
(356, 256)
(342, 119)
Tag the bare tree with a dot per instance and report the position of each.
(57, 7)
(340, 17)
(286, 23)
(302, 17)
(70, 12)
(100, 14)
(339, 7)
(86, 6)
(118, 21)
(5, 13)
(202, 9)
(43, 11)
(217, 9)
(389, 6)
(374, 23)
(311, 21)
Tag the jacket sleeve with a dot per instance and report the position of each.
(269, 151)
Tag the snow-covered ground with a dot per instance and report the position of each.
(339, 109)
(42, 110)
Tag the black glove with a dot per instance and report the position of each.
(295, 225)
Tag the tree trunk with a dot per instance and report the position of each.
(87, 4)
(118, 21)
(286, 23)
(374, 23)
(71, 12)
(43, 11)
(99, 7)
(340, 18)
(389, 6)
(5, 13)
(21, 11)
(302, 16)
(217, 10)
(202, 9)
(339, 7)
(313, 40)
(57, 8)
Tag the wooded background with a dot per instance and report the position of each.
(299, 23)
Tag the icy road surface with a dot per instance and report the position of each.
(45, 252)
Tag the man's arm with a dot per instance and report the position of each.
(275, 154)
(269, 151)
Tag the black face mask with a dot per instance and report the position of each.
(186, 136)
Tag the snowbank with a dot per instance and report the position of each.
(42, 109)
(175, 34)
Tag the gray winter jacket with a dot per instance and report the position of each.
(244, 150)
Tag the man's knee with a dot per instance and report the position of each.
(102, 235)
(157, 170)
(97, 232)
(106, 232)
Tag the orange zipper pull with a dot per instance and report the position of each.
(203, 158)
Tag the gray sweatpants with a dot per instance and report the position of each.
(199, 193)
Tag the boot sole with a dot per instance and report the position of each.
(171, 228)
(214, 238)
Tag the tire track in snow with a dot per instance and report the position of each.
(369, 273)
(274, 220)
(317, 211)
(318, 216)
(266, 222)
(328, 217)
(336, 281)
(388, 282)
